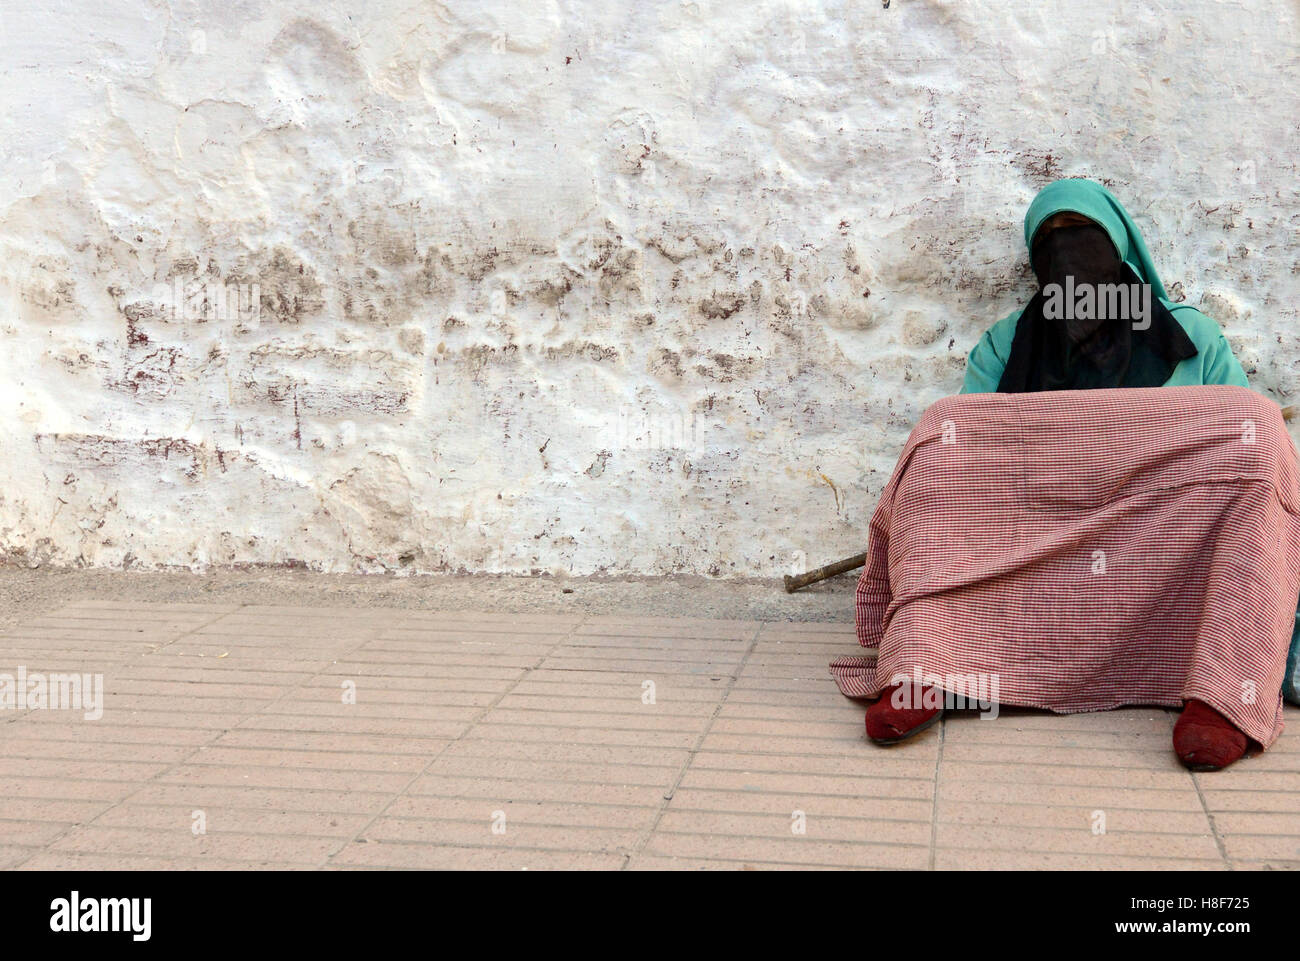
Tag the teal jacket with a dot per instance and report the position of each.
(1213, 363)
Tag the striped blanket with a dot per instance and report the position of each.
(1087, 550)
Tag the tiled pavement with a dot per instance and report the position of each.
(551, 741)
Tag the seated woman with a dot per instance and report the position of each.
(998, 506)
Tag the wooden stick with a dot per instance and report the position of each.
(793, 584)
(799, 581)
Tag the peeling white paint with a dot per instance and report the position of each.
(626, 286)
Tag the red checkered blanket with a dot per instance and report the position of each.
(1087, 550)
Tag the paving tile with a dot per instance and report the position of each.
(644, 862)
(1075, 817)
(980, 860)
(188, 796)
(806, 817)
(791, 851)
(1272, 864)
(506, 789)
(739, 755)
(57, 860)
(310, 779)
(404, 855)
(1282, 825)
(218, 819)
(1078, 840)
(1256, 847)
(516, 834)
(181, 842)
(538, 812)
(67, 789)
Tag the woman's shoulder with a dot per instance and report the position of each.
(1004, 331)
(1200, 328)
(1214, 361)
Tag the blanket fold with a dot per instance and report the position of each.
(1084, 550)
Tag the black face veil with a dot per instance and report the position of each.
(1070, 336)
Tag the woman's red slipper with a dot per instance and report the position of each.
(902, 711)
(1205, 740)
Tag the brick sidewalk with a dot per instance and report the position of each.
(539, 724)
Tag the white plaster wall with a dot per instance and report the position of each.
(572, 285)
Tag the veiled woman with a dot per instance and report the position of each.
(1100, 319)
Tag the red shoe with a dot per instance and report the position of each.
(901, 712)
(1205, 740)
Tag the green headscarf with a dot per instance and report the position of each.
(1042, 357)
(1092, 200)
